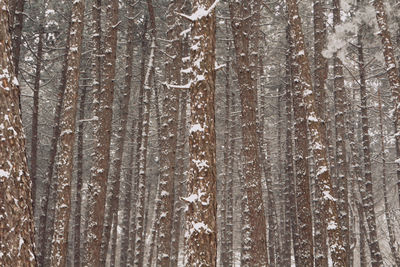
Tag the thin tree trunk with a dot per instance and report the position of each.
(254, 245)
(392, 239)
(79, 176)
(393, 75)
(368, 200)
(17, 25)
(67, 136)
(16, 213)
(49, 185)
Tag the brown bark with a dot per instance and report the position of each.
(67, 136)
(254, 241)
(392, 73)
(16, 213)
(201, 214)
(79, 175)
(169, 129)
(16, 26)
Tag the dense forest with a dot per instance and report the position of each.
(199, 133)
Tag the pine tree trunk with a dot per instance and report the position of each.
(67, 139)
(392, 73)
(254, 229)
(79, 175)
(201, 213)
(16, 213)
(16, 26)
(49, 185)
(367, 199)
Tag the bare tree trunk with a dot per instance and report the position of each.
(392, 239)
(67, 136)
(201, 213)
(17, 25)
(392, 73)
(79, 175)
(46, 220)
(16, 213)
(254, 242)
(367, 199)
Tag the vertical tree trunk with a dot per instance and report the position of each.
(368, 200)
(392, 239)
(16, 213)
(17, 25)
(340, 129)
(141, 185)
(79, 176)
(305, 115)
(201, 214)
(35, 115)
(320, 76)
(169, 129)
(392, 73)
(180, 178)
(49, 186)
(67, 136)
(254, 246)
(102, 132)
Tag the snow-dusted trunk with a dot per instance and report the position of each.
(363, 235)
(169, 129)
(340, 100)
(201, 213)
(35, 110)
(79, 174)
(389, 223)
(16, 25)
(180, 178)
(67, 139)
(367, 195)
(320, 76)
(141, 185)
(392, 73)
(306, 116)
(49, 185)
(97, 185)
(290, 206)
(16, 213)
(254, 247)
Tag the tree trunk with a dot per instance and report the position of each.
(67, 136)
(201, 213)
(392, 73)
(254, 242)
(79, 175)
(17, 25)
(16, 213)
(367, 199)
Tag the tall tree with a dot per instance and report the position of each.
(169, 129)
(392, 73)
(16, 213)
(102, 132)
(201, 214)
(67, 139)
(254, 227)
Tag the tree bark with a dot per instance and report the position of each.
(67, 136)
(16, 212)
(201, 213)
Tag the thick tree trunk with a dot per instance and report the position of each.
(201, 213)
(67, 136)
(16, 212)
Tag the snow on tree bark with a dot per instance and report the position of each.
(97, 186)
(305, 116)
(254, 247)
(67, 139)
(201, 213)
(16, 212)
